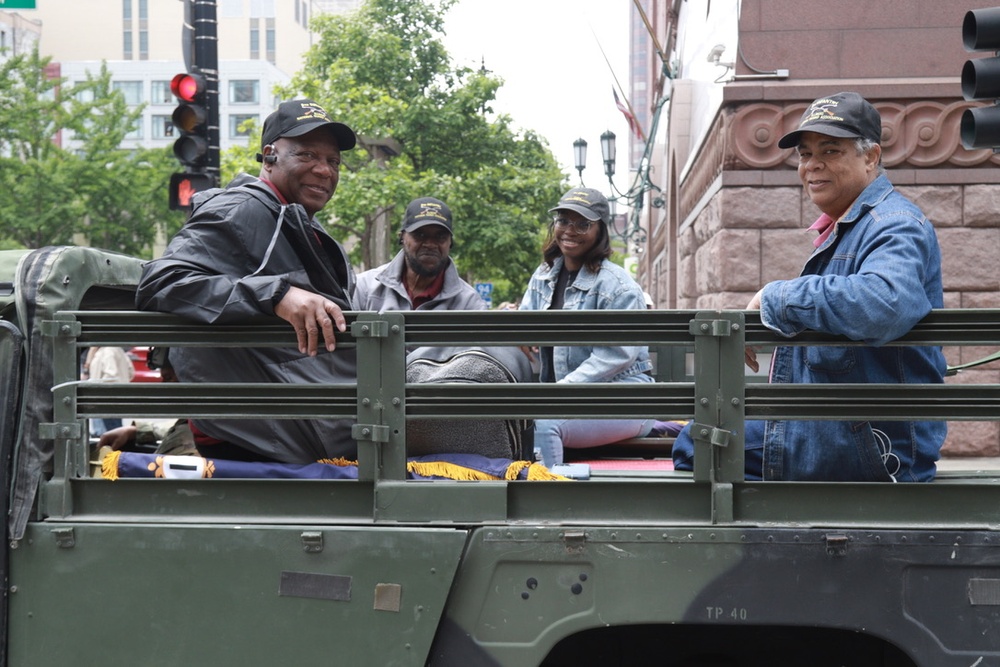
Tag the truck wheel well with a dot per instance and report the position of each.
(682, 645)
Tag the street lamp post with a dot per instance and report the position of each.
(631, 232)
(608, 152)
(580, 156)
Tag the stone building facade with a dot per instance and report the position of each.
(736, 216)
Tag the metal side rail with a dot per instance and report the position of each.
(718, 400)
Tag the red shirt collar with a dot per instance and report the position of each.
(276, 191)
(432, 290)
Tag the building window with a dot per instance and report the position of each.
(163, 127)
(160, 92)
(270, 41)
(127, 29)
(246, 91)
(132, 90)
(262, 9)
(231, 9)
(235, 120)
(143, 45)
(254, 39)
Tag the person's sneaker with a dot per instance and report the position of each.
(666, 429)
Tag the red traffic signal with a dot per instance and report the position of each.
(191, 119)
(188, 87)
(184, 186)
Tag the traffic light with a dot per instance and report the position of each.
(980, 127)
(184, 186)
(190, 118)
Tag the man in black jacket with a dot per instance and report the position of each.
(254, 248)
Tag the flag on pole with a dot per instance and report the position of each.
(633, 124)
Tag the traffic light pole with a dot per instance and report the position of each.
(206, 62)
(196, 117)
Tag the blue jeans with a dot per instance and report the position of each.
(99, 426)
(552, 435)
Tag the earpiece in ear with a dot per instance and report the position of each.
(271, 157)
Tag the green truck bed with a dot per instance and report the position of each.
(669, 568)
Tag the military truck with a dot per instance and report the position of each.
(625, 568)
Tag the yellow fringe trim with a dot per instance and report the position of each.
(515, 468)
(445, 469)
(538, 472)
(109, 465)
(340, 461)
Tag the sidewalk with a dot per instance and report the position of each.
(969, 463)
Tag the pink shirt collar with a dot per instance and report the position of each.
(824, 225)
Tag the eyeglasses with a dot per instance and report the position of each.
(581, 226)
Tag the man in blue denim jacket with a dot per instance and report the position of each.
(876, 272)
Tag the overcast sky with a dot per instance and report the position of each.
(557, 81)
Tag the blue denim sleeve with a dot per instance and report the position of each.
(606, 362)
(873, 286)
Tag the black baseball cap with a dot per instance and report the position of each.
(844, 115)
(297, 117)
(588, 202)
(426, 211)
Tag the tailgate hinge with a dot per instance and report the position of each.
(65, 538)
(67, 430)
(370, 432)
(836, 545)
(312, 541)
(54, 328)
(713, 435)
(712, 327)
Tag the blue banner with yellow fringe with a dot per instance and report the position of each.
(463, 467)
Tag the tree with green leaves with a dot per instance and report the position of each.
(115, 197)
(426, 128)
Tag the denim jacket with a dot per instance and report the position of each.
(876, 276)
(611, 288)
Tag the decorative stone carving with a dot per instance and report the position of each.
(915, 135)
(918, 134)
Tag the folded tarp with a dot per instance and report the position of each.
(464, 467)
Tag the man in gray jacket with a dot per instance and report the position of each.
(421, 276)
(254, 248)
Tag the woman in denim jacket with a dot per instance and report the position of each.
(577, 275)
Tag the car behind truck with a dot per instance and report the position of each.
(626, 568)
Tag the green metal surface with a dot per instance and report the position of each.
(218, 594)
(521, 591)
